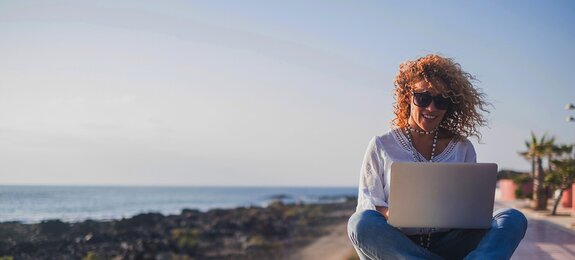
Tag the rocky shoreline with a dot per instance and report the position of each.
(273, 232)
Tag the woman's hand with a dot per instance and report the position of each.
(384, 211)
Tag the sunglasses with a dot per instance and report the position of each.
(423, 99)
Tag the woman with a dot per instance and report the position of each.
(437, 108)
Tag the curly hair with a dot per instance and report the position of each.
(464, 116)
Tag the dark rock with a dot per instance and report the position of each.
(280, 197)
(53, 227)
(241, 233)
(147, 219)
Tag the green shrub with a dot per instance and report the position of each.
(521, 179)
(519, 193)
(92, 256)
(186, 238)
(261, 242)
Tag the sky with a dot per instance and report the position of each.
(258, 93)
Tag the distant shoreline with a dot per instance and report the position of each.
(178, 186)
(336, 200)
(33, 204)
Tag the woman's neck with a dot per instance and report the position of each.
(424, 134)
(422, 138)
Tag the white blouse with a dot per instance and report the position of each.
(391, 147)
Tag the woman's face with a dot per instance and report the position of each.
(425, 118)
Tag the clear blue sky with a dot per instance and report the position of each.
(257, 92)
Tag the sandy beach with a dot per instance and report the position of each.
(335, 245)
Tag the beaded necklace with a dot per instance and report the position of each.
(414, 152)
(421, 132)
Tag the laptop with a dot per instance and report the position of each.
(442, 195)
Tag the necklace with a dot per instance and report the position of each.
(428, 238)
(414, 151)
(415, 159)
(421, 132)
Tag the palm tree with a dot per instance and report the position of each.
(551, 150)
(536, 149)
(561, 177)
(558, 176)
(565, 150)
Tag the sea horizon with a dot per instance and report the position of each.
(177, 186)
(75, 203)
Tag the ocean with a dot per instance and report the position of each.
(33, 204)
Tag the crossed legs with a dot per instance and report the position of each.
(374, 238)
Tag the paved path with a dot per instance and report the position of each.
(546, 241)
(546, 237)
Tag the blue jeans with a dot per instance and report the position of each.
(374, 238)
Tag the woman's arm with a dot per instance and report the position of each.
(384, 211)
(372, 182)
(470, 155)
